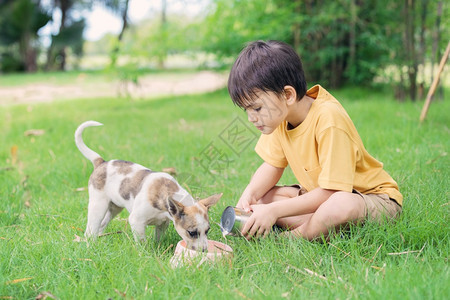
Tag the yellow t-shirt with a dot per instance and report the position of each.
(326, 151)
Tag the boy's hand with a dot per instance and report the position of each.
(245, 203)
(260, 222)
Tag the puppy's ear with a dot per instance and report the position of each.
(211, 200)
(175, 208)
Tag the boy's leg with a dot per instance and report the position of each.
(341, 208)
(279, 193)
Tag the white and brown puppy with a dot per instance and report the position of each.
(151, 198)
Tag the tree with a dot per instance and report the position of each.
(340, 42)
(234, 23)
(336, 46)
(20, 21)
(436, 37)
(409, 43)
(70, 34)
(419, 27)
(120, 8)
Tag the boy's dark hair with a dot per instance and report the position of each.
(265, 66)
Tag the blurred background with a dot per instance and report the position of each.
(394, 44)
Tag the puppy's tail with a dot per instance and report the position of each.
(93, 156)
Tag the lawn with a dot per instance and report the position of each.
(210, 143)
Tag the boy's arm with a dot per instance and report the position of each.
(265, 177)
(301, 205)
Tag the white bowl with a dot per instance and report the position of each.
(217, 251)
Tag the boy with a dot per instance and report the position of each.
(310, 131)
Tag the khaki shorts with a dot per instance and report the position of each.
(379, 207)
(301, 190)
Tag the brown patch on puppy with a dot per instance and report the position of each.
(133, 185)
(194, 210)
(123, 167)
(98, 177)
(98, 161)
(159, 190)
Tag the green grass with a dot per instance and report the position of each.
(18, 79)
(42, 212)
(85, 76)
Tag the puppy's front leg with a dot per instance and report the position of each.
(159, 230)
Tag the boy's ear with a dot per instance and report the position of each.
(290, 94)
(211, 200)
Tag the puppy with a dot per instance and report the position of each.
(151, 198)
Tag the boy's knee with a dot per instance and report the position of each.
(343, 207)
(277, 193)
(269, 196)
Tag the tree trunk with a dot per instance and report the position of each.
(410, 48)
(296, 27)
(30, 60)
(435, 48)
(163, 29)
(352, 35)
(115, 51)
(423, 17)
(28, 54)
(65, 5)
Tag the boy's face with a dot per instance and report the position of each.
(267, 112)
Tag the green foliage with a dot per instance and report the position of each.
(326, 41)
(153, 41)
(234, 23)
(100, 47)
(10, 60)
(149, 43)
(340, 42)
(20, 18)
(324, 29)
(19, 23)
(43, 209)
(71, 36)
